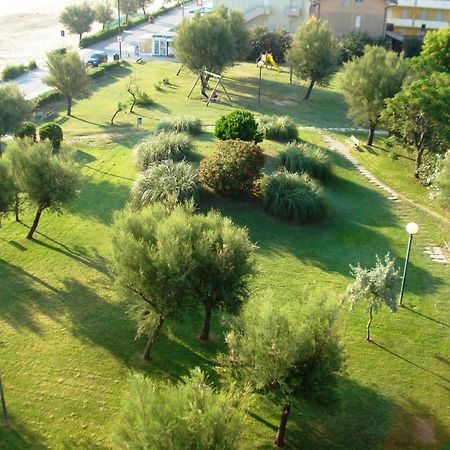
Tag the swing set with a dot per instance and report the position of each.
(219, 82)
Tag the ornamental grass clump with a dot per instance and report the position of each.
(181, 124)
(164, 181)
(293, 197)
(278, 128)
(303, 157)
(160, 147)
(233, 168)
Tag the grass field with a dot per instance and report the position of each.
(67, 345)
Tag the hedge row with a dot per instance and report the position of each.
(47, 97)
(14, 70)
(87, 41)
(102, 69)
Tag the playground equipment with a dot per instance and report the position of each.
(272, 61)
(213, 94)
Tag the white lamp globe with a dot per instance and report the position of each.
(260, 64)
(412, 228)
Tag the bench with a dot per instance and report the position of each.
(50, 113)
(139, 60)
(354, 142)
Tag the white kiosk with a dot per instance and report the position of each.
(157, 44)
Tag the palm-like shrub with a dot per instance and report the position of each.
(233, 168)
(181, 124)
(159, 147)
(163, 181)
(278, 128)
(293, 197)
(299, 158)
(238, 124)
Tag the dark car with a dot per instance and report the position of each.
(96, 58)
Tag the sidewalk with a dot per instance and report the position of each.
(31, 83)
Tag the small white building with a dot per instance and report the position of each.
(157, 44)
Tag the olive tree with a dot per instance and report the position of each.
(435, 55)
(376, 286)
(49, 181)
(78, 18)
(174, 260)
(367, 83)
(14, 109)
(289, 347)
(313, 54)
(128, 7)
(442, 182)
(7, 189)
(103, 13)
(145, 4)
(68, 75)
(190, 414)
(419, 115)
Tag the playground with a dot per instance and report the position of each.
(68, 344)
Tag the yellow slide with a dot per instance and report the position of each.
(274, 64)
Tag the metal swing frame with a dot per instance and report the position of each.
(219, 82)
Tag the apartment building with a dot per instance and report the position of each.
(274, 14)
(345, 16)
(415, 17)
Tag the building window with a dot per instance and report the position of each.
(357, 22)
(423, 14)
(439, 16)
(358, 1)
(404, 13)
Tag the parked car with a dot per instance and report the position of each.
(97, 58)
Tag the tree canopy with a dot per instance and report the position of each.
(103, 12)
(7, 188)
(49, 181)
(78, 18)
(367, 82)
(209, 42)
(290, 347)
(128, 7)
(188, 415)
(313, 54)
(67, 74)
(435, 55)
(419, 115)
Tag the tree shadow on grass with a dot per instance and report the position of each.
(18, 437)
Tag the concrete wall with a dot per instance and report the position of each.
(342, 16)
(282, 13)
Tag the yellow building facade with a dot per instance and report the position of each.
(416, 17)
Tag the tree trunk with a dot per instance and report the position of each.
(0, 148)
(207, 323)
(69, 106)
(103, 27)
(81, 35)
(418, 161)
(151, 339)
(308, 92)
(114, 116)
(369, 323)
(16, 206)
(371, 135)
(291, 70)
(143, 10)
(279, 440)
(35, 222)
(134, 100)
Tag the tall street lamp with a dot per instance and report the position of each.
(119, 37)
(260, 66)
(412, 228)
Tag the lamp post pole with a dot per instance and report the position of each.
(412, 228)
(2, 397)
(119, 37)
(260, 65)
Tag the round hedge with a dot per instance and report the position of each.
(293, 197)
(159, 147)
(238, 124)
(279, 128)
(163, 181)
(181, 124)
(233, 168)
(28, 129)
(303, 157)
(53, 132)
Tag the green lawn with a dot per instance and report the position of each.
(67, 345)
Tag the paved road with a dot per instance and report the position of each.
(32, 85)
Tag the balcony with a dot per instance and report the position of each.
(417, 23)
(256, 12)
(424, 4)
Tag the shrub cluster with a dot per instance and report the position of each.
(28, 129)
(14, 70)
(164, 181)
(303, 157)
(261, 40)
(159, 147)
(278, 128)
(293, 197)
(181, 124)
(53, 132)
(238, 124)
(351, 45)
(102, 69)
(47, 97)
(233, 168)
